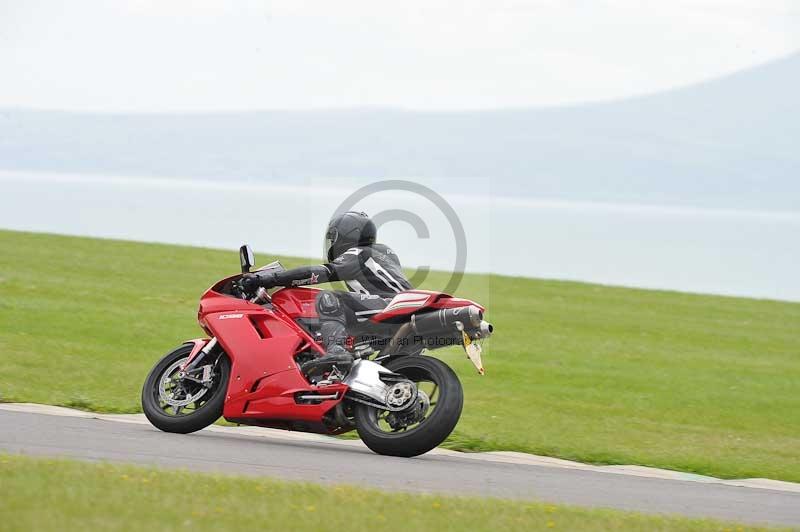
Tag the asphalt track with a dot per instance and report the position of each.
(317, 459)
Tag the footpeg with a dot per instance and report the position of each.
(338, 362)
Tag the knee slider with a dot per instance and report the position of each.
(328, 304)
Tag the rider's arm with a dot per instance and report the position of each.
(296, 276)
(343, 268)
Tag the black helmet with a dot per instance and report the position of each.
(348, 230)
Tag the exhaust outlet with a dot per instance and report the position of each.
(485, 330)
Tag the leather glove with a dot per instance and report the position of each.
(251, 281)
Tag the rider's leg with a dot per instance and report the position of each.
(333, 320)
(333, 315)
(339, 311)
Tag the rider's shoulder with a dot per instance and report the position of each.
(364, 252)
(349, 255)
(354, 251)
(383, 248)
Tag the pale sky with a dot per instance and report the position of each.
(162, 55)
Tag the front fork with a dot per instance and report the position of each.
(200, 351)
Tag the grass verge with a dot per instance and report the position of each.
(40, 494)
(697, 383)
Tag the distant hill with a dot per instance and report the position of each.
(732, 142)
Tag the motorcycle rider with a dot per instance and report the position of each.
(370, 270)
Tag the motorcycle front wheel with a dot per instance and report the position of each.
(176, 404)
(407, 434)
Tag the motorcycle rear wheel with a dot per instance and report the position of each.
(433, 429)
(203, 407)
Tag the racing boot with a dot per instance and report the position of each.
(334, 336)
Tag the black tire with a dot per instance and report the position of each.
(204, 415)
(436, 427)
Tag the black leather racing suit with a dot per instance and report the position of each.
(373, 275)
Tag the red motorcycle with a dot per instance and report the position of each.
(400, 401)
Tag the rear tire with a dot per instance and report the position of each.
(203, 415)
(434, 429)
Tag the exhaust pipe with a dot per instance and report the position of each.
(438, 328)
(485, 330)
(435, 322)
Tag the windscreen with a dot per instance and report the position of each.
(274, 267)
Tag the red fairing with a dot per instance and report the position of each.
(274, 399)
(212, 302)
(261, 344)
(412, 301)
(297, 302)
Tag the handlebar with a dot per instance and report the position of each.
(262, 296)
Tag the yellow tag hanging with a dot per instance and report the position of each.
(473, 351)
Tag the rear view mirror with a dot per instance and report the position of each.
(247, 258)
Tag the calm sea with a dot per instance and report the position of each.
(717, 251)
